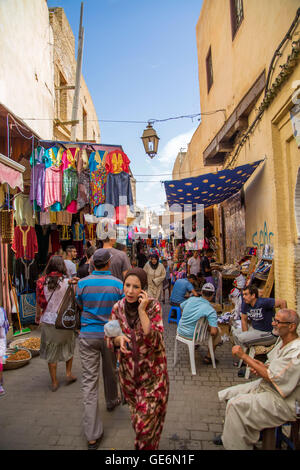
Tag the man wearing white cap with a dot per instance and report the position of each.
(195, 308)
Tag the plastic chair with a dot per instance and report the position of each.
(201, 335)
(178, 314)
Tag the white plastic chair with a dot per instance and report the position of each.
(201, 335)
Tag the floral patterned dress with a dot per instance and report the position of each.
(143, 375)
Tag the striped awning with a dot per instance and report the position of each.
(208, 189)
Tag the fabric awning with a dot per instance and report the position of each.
(208, 189)
(11, 173)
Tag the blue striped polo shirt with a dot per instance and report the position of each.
(96, 294)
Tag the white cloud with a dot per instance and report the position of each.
(172, 148)
(160, 169)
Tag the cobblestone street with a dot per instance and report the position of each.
(33, 417)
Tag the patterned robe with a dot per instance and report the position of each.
(143, 375)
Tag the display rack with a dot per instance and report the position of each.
(266, 280)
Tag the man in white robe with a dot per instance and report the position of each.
(269, 401)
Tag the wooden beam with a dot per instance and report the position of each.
(224, 147)
(65, 87)
(65, 123)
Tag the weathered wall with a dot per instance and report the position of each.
(237, 63)
(64, 74)
(26, 78)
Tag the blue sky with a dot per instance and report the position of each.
(140, 63)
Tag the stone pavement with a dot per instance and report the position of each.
(33, 417)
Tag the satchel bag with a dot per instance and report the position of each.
(68, 317)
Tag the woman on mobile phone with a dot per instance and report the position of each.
(142, 358)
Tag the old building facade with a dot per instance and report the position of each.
(64, 81)
(248, 58)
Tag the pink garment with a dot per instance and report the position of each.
(72, 207)
(69, 158)
(13, 177)
(53, 185)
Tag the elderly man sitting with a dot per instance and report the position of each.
(195, 308)
(269, 401)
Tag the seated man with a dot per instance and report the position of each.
(195, 308)
(181, 288)
(269, 401)
(260, 311)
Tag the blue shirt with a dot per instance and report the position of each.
(96, 294)
(195, 308)
(181, 287)
(261, 313)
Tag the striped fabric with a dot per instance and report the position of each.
(96, 295)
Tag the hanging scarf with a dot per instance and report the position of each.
(40, 285)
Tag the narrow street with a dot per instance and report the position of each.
(33, 417)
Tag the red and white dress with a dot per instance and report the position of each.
(143, 375)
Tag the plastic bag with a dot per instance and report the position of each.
(112, 329)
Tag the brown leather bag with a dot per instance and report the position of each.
(68, 316)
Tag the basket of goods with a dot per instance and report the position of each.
(33, 344)
(16, 357)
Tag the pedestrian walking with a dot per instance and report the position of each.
(120, 262)
(167, 281)
(84, 267)
(156, 274)
(96, 295)
(142, 358)
(56, 345)
(71, 254)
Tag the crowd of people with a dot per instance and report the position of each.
(122, 327)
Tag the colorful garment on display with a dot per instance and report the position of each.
(45, 218)
(54, 244)
(118, 190)
(78, 232)
(97, 178)
(37, 185)
(69, 158)
(56, 207)
(83, 197)
(90, 232)
(53, 157)
(116, 162)
(37, 156)
(53, 186)
(64, 218)
(25, 242)
(23, 210)
(70, 189)
(97, 160)
(97, 187)
(64, 233)
(12, 177)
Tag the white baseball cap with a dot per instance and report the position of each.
(208, 287)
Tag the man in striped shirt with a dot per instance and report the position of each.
(96, 294)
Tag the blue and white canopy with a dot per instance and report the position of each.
(208, 189)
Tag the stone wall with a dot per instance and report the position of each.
(64, 75)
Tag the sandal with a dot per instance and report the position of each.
(207, 360)
(70, 380)
(116, 403)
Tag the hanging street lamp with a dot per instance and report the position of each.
(150, 140)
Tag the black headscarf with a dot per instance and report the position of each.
(154, 255)
(131, 308)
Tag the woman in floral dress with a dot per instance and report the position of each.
(142, 358)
